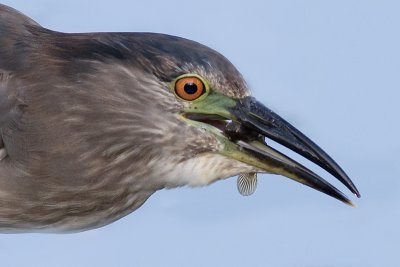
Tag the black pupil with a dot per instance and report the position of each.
(190, 88)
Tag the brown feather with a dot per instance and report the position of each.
(88, 121)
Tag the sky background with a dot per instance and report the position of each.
(331, 68)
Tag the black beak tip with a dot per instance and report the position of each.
(339, 196)
(342, 176)
(351, 204)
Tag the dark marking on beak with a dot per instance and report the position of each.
(255, 116)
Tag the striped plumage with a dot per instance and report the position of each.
(92, 122)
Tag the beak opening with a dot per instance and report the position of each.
(254, 121)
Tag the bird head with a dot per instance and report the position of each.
(214, 128)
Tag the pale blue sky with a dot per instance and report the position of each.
(332, 68)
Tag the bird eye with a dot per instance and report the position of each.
(189, 88)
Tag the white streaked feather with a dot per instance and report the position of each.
(247, 183)
(3, 153)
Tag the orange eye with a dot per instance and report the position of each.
(189, 88)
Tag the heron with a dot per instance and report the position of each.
(92, 124)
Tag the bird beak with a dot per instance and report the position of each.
(247, 123)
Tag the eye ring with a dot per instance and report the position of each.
(190, 87)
